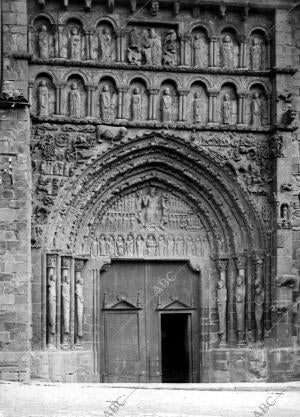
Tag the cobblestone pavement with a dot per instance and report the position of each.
(93, 400)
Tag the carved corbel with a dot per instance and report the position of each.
(133, 4)
(245, 13)
(66, 4)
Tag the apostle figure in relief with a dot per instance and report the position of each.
(120, 246)
(170, 245)
(74, 101)
(102, 245)
(259, 299)
(134, 49)
(136, 105)
(227, 109)
(105, 42)
(79, 303)
(43, 42)
(111, 246)
(150, 202)
(256, 54)
(170, 48)
(199, 51)
(146, 42)
(63, 45)
(156, 47)
(222, 303)
(151, 245)
(240, 293)
(227, 52)
(75, 44)
(198, 108)
(52, 302)
(140, 246)
(43, 99)
(65, 293)
(130, 246)
(161, 246)
(166, 106)
(256, 110)
(106, 104)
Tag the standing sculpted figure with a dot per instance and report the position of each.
(134, 49)
(52, 305)
(74, 101)
(105, 42)
(151, 245)
(198, 108)
(170, 48)
(156, 47)
(43, 99)
(240, 293)
(75, 44)
(140, 246)
(166, 106)
(256, 110)
(106, 104)
(120, 246)
(79, 303)
(227, 109)
(227, 52)
(136, 105)
(222, 303)
(151, 207)
(199, 51)
(259, 310)
(65, 293)
(146, 42)
(130, 246)
(43, 42)
(256, 54)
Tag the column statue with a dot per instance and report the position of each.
(240, 294)
(259, 311)
(43, 42)
(43, 99)
(166, 106)
(75, 101)
(222, 304)
(65, 293)
(79, 303)
(52, 304)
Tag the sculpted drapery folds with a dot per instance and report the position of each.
(106, 46)
(170, 49)
(75, 44)
(74, 101)
(240, 294)
(43, 99)
(166, 106)
(43, 42)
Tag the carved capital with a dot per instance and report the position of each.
(240, 262)
(258, 260)
(122, 89)
(183, 92)
(65, 262)
(121, 32)
(153, 90)
(79, 264)
(212, 92)
(51, 261)
(222, 264)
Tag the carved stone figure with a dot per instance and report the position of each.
(156, 47)
(256, 54)
(106, 104)
(240, 293)
(189, 246)
(161, 246)
(151, 207)
(170, 49)
(79, 304)
(65, 293)
(166, 106)
(136, 105)
(94, 249)
(43, 99)
(52, 303)
(170, 245)
(147, 52)
(130, 246)
(199, 51)
(63, 51)
(256, 110)
(140, 246)
(198, 246)
(106, 46)
(198, 108)
(120, 245)
(227, 52)
(134, 49)
(75, 101)
(165, 206)
(102, 245)
(75, 44)
(111, 246)
(222, 303)
(259, 310)
(227, 109)
(151, 245)
(43, 42)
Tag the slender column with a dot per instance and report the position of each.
(44, 267)
(268, 57)
(121, 102)
(154, 93)
(249, 295)
(30, 90)
(231, 311)
(244, 55)
(120, 45)
(215, 51)
(51, 299)
(269, 109)
(30, 39)
(65, 300)
(72, 303)
(182, 105)
(184, 109)
(59, 98)
(222, 301)
(88, 44)
(90, 100)
(79, 264)
(150, 107)
(182, 50)
(260, 295)
(212, 106)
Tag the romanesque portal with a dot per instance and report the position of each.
(165, 191)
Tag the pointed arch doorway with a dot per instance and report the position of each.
(148, 321)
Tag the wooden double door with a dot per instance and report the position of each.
(149, 329)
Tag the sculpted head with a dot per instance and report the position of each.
(152, 191)
(136, 90)
(167, 91)
(197, 94)
(105, 88)
(227, 39)
(43, 28)
(221, 284)
(74, 86)
(43, 83)
(239, 280)
(74, 31)
(256, 95)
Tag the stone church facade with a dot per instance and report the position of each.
(150, 191)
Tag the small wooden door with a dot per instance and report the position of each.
(133, 297)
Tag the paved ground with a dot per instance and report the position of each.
(93, 400)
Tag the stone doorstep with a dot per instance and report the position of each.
(242, 386)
